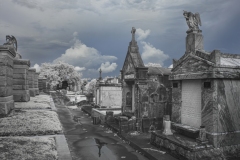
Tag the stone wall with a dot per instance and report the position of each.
(20, 80)
(36, 75)
(31, 79)
(7, 55)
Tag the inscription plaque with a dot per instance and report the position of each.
(191, 103)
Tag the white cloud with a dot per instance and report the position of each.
(108, 67)
(79, 68)
(171, 66)
(37, 67)
(142, 34)
(151, 54)
(81, 55)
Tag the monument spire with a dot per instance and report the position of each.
(133, 34)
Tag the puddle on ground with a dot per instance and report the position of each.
(94, 148)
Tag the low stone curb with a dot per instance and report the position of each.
(52, 104)
(62, 146)
(131, 143)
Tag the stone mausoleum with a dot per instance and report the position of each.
(108, 93)
(205, 101)
(146, 91)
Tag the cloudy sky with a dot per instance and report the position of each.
(90, 34)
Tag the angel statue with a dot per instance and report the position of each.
(193, 20)
(11, 40)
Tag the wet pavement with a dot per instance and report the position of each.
(87, 141)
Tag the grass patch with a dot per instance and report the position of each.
(26, 148)
(30, 122)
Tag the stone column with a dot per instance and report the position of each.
(7, 54)
(36, 83)
(20, 80)
(31, 78)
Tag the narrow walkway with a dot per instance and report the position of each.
(89, 142)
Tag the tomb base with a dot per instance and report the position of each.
(32, 92)
(21, 98)
(183, 147)
(37, 91)
(6, 105)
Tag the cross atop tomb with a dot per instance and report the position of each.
(133, 34)
(100, 74)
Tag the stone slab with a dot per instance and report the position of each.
(20, 70)
(20, 92)
(6, 71)
(32, 92)
(20, 82)
(5, 91)
(187, 148)
(20, 87)
(21, 97)
(20, 66)
(19, 76)
(6, 99)
(6, 59)
(5, 107)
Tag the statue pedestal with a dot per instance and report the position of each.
(167, 128)
(194, 41)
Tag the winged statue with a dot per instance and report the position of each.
(193, 20)
(11, 40)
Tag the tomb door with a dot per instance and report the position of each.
(191, 103)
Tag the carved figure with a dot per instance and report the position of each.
(193, 20)
(11, 40)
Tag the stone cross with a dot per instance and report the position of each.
(100, 72)
(133, 34)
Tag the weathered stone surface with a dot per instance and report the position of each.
(20, 87)
(6, 99)
(6, 71)
(19, 76)
(21, 97)
(32, 70)
(5, 107)
(32, 92)
(22, 62)
(20, 70)
(5, 91)
(5, 59)
(194, 41)
(37, 91)
(20, 82)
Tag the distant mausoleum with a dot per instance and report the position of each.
(108, 92)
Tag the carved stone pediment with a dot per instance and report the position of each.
(128, 67)
(193, 64)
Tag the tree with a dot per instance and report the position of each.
(58, 72)
(91, 86)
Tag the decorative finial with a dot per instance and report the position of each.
(133, 34)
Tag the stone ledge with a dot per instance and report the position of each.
(186, 148)
(6, 99)
(186, 130)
